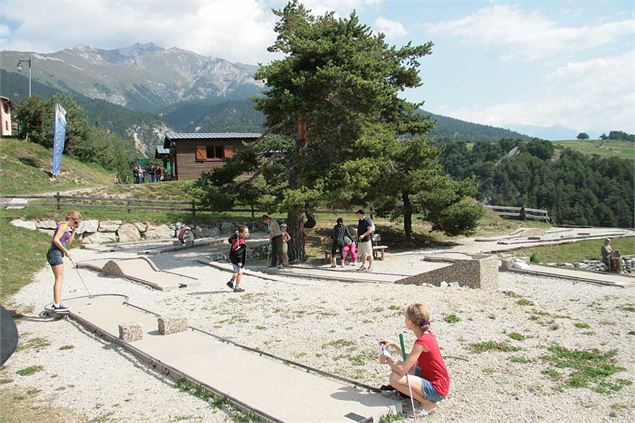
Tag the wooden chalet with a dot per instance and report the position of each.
(191, 154)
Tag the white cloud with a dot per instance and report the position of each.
(529, 35)
(591, 95)
(392, 29)
(233, 30)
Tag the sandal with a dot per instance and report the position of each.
(333, 266)
(421, 412)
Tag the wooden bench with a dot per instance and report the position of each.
(378, 250)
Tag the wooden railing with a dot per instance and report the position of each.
(520, 212)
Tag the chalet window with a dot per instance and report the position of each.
(200, 154)
(215, 152)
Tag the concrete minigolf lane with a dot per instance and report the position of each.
(277, 389)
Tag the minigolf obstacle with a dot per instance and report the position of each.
(477, 271)
(279, 390)
(142, 270)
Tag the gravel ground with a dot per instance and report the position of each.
(335, 326)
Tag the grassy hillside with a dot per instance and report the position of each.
(608, 148)
(25, 169)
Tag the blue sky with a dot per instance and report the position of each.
(536, 63)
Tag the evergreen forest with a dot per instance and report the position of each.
(576, 189)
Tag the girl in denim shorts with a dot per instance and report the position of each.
(63, 236)
(427, 374)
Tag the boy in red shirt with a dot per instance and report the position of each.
(427, 374)
(238, 256)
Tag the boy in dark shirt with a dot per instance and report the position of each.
(237, 256)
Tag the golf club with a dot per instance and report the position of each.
(403, 355)
(80, 276)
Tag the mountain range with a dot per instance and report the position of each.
(144, 90)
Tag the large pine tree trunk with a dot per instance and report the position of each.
(295, 221)
(407, 215)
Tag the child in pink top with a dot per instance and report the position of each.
(427, 374)
(350, 248)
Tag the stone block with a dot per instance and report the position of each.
(159, 232)
(109, 225)
(88, 226)
(206, 231)
(46, 224)
(228, 228)
(141, 227)
(131, 331)
(99, 238)
(128, 232)
(172, 324)
(26, 224)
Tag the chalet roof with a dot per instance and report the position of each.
(12, 105)
(191, 136)
(210, 135)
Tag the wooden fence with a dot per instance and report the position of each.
(129, 204)
(191, 206)
(520, 212)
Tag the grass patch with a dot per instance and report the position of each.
(33, 343)
(492, 224)
(452, 318)
(28, 371)
(19, 406)
(222, 403)
(582, 325)
(481, 347)
(577, 251)
(517, 336)
(26, 166)
(604, 148)
(588, 368)
(340, 343)
(67, 347)
(22, 254)
(524, 302)
(520, 359)
(391, 418)
(627, 307)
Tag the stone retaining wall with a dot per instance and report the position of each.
(93, 231)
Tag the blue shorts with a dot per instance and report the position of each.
(429, 392)
(237, 268)
(55, 257)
